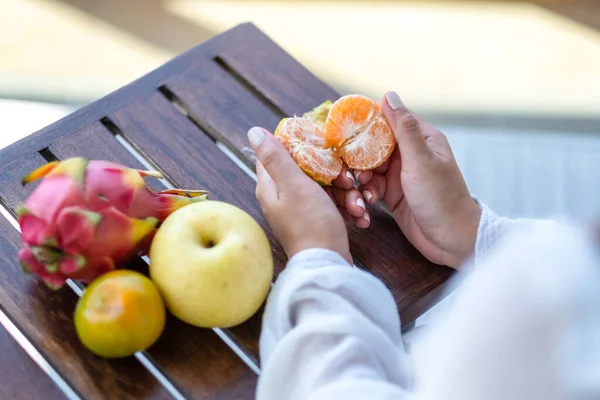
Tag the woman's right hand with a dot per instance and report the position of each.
(424, 189)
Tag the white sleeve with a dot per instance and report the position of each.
(523, 325)
(330, 331)
(493, 228)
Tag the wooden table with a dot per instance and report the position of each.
(188, 119)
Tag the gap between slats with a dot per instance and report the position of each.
(230, 150)
(249, 87)
(212, 132)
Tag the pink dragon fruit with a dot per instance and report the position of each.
(90, 217)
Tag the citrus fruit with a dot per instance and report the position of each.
(120, 313)
(356, 127)
(318, 115)
(305, 141)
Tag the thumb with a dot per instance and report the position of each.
(275, 158)
(405, 126)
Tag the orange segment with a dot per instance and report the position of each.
(358, 130)
(305, 141)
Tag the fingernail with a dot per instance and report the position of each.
(367, 217)
(256, 136)
(368, 195)
(394, 100)
(357, 174)
(349, 175)
(360, 203)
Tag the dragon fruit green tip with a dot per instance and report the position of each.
(88, 217)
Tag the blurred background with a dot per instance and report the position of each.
(514, 84)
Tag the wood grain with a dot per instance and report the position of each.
(197, 361)
(275, 74)
(226, 113)
(21, 377)
(45, 316)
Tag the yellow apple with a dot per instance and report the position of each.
(212, 263)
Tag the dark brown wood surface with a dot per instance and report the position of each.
(172, 118)
(20, 377)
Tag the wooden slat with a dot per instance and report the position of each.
(20, 376)
(196, 359)
(45, 316)
(229, 108)
(96, 142)
(275, 74)
(227, 113)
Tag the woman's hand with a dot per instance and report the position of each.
(301, 213)
(424, 189)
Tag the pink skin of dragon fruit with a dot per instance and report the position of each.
(89, 217)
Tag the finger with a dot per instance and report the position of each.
(406, 127)
(351, 200)
(424, 124)
(345, 180)
(361, 222)
(363, 177)
(426, 127)
(275, 159)
(265, 187)
(394, 191)
(375, 189)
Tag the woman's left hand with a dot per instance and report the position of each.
(301, 213)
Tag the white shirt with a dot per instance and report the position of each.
(524, 324)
